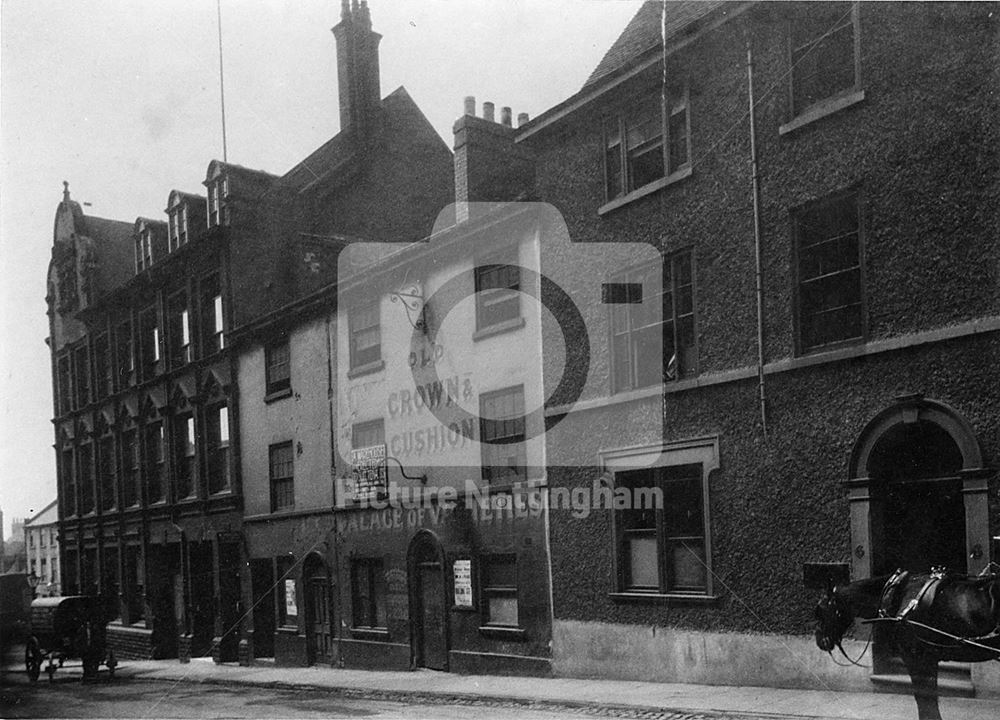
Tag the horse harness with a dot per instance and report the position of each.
(889, 610)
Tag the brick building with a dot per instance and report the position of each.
(383, 177)
(149, 503)
(829, 377)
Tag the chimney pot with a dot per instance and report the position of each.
(488, 111)
(522, 119)
(470, 105)
(505, 116)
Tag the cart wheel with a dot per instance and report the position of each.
(32, 659)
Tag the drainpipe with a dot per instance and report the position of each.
(762, 395)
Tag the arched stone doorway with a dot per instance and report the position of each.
(918, 498)
(319, 612)
(918, 491)
(428, 602)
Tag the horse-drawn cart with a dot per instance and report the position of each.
(67, 627)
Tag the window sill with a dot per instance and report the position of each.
(381, 634)
(645, 190)
(501, 632)
(366, 369)
(498, 329)
(671, 598)
(822, 109)
(278, 395)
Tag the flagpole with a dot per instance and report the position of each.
(222, 85)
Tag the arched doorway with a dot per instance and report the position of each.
(319, 613)
(917, 488)
(918, 498)
(428, 602)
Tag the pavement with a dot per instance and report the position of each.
(608, 697)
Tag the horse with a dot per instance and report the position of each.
(929, 618)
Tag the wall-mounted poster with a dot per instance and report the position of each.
(291, 610)
(369, 472)
(462, 570)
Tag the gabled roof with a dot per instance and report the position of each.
(185, 196)
(47, 515)
(242, 180)
(338, 154)
(636, 49)
(646, 31)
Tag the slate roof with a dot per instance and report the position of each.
(339, 152)
(643, 33)
(114, 250)
(47, 515)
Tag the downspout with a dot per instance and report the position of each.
(336, 622)
(762, 395)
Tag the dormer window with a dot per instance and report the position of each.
(143, 249)
(178, 225)
(218, 194)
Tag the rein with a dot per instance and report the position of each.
(856, 663)
(957, 640)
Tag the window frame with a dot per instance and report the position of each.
(672, 101)
(82, 386)
(485, 421)
(373, 571)
(125, 354)
(280, 386)
(488, 296)
(107, 468)
(797, 220)
(277, 483)
(150, 352)
(373, 306)
(64, 379)
(219, 446)
(103, 384)
(143, 249)
(488, 590)
(84, 465)
(703, 451)
(218, 196)
(154, 462)
(185, 455)
(212, 314)
(68, 480)
(852, 20)
(179, 323)
(683, 369)
(131, 462)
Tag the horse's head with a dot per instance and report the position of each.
(833, 618)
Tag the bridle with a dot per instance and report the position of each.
(841, 620)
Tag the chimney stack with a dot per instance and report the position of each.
(522, 119)
(358, 78)
(489, 166)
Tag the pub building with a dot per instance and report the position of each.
(440, 516)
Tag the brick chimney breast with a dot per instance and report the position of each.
(358, 77)
(489, 166)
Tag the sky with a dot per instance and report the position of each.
(121, 99)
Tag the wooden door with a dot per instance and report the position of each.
(431, 611)
(320, 631)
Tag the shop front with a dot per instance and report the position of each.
(459, 585)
